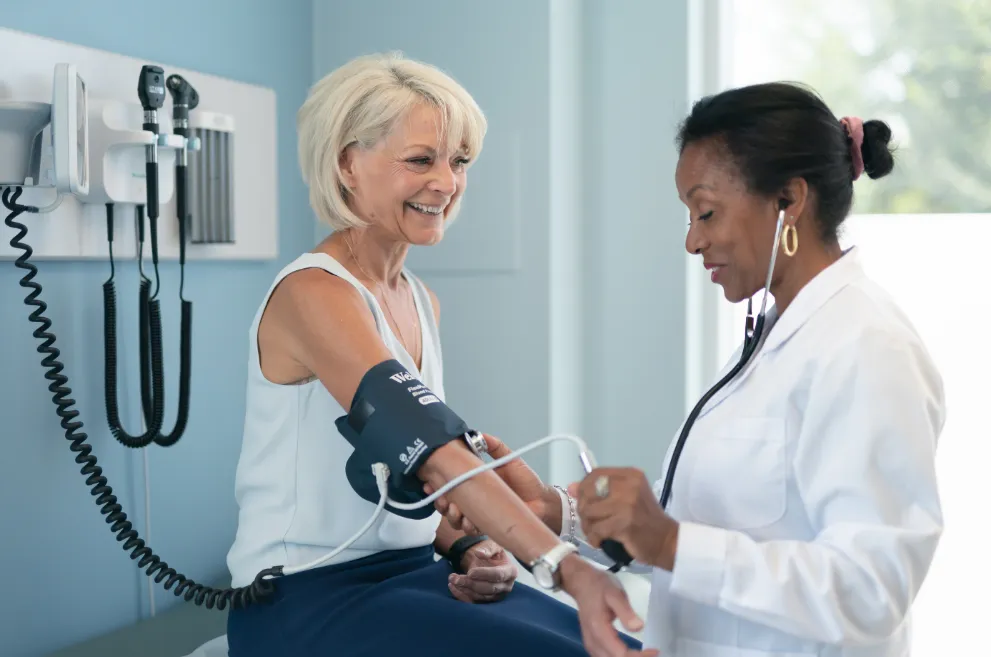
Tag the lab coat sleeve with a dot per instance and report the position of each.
(864, 465)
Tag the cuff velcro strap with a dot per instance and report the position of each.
(397, 420)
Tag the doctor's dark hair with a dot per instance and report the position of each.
(774, 132)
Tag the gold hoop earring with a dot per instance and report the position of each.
(789, 244)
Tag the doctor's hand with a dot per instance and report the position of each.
(542, 499)
(618, 503)
(601, 600)
(489, 574)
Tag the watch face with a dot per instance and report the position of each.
(542, 573)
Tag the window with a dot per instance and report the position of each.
(925, 68)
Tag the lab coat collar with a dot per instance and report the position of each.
(812, 297)
(806, 303)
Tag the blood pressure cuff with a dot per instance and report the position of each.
(397, 420)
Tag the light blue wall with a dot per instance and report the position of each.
(636, 93)
(64, 576)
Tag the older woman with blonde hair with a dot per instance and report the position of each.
(384, 145)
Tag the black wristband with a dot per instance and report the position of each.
(460, 546)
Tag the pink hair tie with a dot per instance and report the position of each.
(855, 128)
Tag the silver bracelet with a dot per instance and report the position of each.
(573, 529)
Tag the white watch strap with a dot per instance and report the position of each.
(551, 560)
(556, 554)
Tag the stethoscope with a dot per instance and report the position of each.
(753, 331)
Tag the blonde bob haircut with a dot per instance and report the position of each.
(359, 103)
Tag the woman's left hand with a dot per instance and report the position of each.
(627, 512)
(489, 574)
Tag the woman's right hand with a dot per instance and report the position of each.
(543, 500)
(601, 600)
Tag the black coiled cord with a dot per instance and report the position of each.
(154, 418)
(150, 395)
(151, 358)
(152, 385)
(185, 366)
(258, 591)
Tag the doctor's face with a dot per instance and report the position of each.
(730, 228)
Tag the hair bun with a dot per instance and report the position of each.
(878, 158)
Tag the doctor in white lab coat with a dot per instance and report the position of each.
(804, 512)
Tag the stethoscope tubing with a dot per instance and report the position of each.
(751, 339)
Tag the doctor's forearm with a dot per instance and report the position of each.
(489, 503)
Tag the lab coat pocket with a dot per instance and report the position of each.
(739, 479)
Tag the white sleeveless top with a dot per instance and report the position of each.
(295, 503)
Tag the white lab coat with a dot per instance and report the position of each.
(806, 492)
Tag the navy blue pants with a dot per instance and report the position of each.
(398, 603)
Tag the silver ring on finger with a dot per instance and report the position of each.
(602, 486)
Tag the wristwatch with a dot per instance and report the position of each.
(545, 568)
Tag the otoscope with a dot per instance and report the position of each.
(184, 98)
(151, 92)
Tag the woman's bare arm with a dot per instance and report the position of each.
(324, 324)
